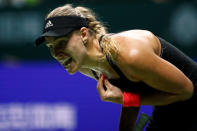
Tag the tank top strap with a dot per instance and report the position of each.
(93, 72)
(95, 75)
(110, 61)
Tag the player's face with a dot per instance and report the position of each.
(69, 51)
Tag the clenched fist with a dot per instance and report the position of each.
(108, 92)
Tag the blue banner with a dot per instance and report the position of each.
(37, 96)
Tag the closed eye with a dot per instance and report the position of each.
(57, 45)
(61, 44)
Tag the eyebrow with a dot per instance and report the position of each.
(55, 38)
(55, 41)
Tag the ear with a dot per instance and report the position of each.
(84, 34)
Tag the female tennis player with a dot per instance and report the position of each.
(132, 67)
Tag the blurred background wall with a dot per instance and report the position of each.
(35, 91)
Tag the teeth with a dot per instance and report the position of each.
(67, 61)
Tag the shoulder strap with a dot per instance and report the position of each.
(110, 61)
(95, 75)
(99, 40)
(115, 67)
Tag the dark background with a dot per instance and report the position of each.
(175, 21)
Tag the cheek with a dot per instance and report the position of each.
(80, 52)
(73, 44)
(76, 47)
(77, 52)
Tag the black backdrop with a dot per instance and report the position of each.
(20, 26)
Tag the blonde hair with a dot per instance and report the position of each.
(94, 26)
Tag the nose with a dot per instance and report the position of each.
(52, 51)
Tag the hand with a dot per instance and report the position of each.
(111, 94)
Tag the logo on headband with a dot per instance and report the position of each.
(48, 24)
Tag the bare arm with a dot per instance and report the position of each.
(114, 94)
(140, 61)
(158, 98)
(128, 118)
(143, 64)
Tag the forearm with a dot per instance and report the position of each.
(158, 98)
(129, 114)
(128, 118)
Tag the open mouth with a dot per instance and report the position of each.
(67, 62)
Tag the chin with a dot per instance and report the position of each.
(72, 71)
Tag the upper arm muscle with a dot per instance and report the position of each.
(159, 73)
(139, 59)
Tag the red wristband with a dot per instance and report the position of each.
(131, 99)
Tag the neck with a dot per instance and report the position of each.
(97, 61)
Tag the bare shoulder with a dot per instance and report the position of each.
(134, 47)
(138, 39)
